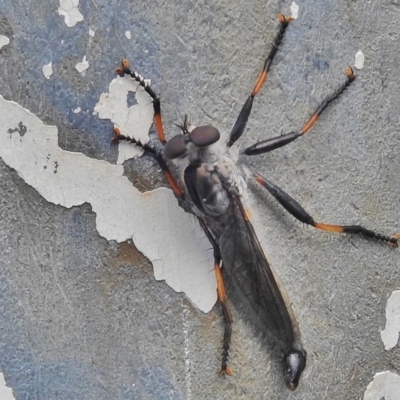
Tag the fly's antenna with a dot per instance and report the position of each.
(184, 126)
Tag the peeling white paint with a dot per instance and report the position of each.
(77, 110)
(170, 238)
(5, 391)
(128, 35)
(294, 9)
(359, 60)
(69, 10)
(81, 67)
(91, 32)
(390, 335)
(384, 385)
(4, 41)
(135, 120)
(47, 70)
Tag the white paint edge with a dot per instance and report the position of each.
(69, 10)
(390, 335)
(5, 392)
(47, 70)
(4, 41)
(170, 238)
(384, 384)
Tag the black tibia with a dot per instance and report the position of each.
(244, 114)
(350, 78)
(227, 318)
(118, 137)
(294, 208)
(210, 237)
(124, 69)
(221, 291)
(241, 121)
(273, 143)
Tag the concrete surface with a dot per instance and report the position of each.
(84, 318)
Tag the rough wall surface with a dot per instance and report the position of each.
(84, 318)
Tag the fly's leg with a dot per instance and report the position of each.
(241, 121)
(274, 143)
(222, 298)
(294, 208)
(121, 71)
(217, 257)
(227, 318)
(161, 162)
(124, 69)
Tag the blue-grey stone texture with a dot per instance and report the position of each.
(84, 318)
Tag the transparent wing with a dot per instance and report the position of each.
(248, 270)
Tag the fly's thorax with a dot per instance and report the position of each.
(211, 185)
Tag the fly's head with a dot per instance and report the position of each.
(295, 362)
(191, 141)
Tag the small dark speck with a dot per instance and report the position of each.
(226, 81)
(352, 204)
(320, 64)
(353, 244)
(55, 166)
(21, 129)
(45, 167)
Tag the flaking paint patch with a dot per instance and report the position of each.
(385, 385)
(47, 70)
(390, 335)
(359, 60)
(4, 41)
(294, 9)
(82, 66)
(69, 10)
(182, 257)
(134, 120)
(5, 391)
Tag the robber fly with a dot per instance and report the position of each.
(212, 187)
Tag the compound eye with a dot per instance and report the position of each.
(175, 147)
(204, 136)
